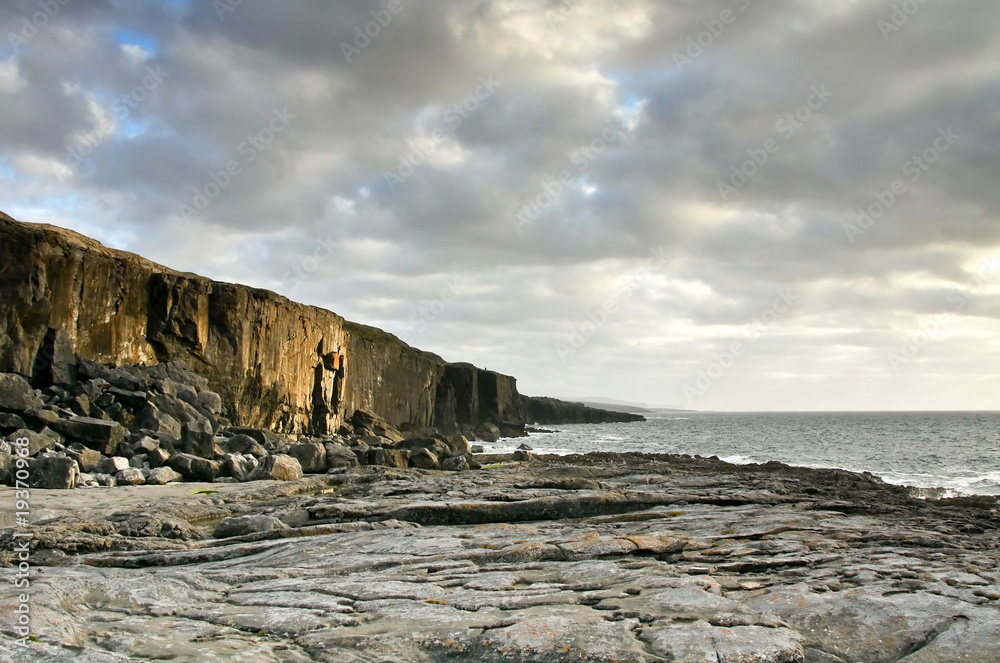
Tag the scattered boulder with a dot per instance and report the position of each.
(243, 525)
(311, 456)
(162, 475)
(239, 466)
(130, 476)
(365, 420)
(10, 423)
(37, 442)
(456, 464)
(387, 457)
(241, 443)
(152, 419)
(195, 467)
(54, 471)
(113, 465)
(16, 395)
(104, 436)
(424, 460)
(459, 443)
(87, 459)
(488, 432)
(338, 456)
(525, 447)
(198, 438)
(157, 457)
(279, 467)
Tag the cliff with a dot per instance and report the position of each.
(553, 411)
(277, 364)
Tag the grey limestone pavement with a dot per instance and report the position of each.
(603, 557)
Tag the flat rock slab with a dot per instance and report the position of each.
(686, 561)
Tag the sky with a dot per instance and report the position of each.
(716, 205)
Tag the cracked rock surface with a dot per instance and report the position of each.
(604, 557)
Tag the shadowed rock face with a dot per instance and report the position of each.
(553, 411)
(277, 364)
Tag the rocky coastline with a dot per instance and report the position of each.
(598, 557)
(179, 485)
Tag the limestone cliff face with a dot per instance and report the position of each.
(276, 363)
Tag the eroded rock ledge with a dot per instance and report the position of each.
(602, 557)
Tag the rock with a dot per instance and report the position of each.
(130, 476)
(198, 438)
(10, 423)
(243, 525)
(37, 442)
(338, 456)
(138, 461)
(87, 459)
(456, 464)
(157, 457)
(239, 466)
(437, 447)
(195, 467)
(459, 443)
(113, 465)
(554, 411)
(477, 449)
(424, 459)
(6, 463)
(54, 471)
(104, 436)
(488, 432)
(386, 458)
(80, 405)
(521, 456)
(134, 400)
(311, 456)
(105, 480)
(279, 467)
(144, 445)
(211, 402)
(16, 395)
(152, 419)
(39, 418)
(55, 362)
(524, 447)
(242, 443)
(365, 420)
(162, 475)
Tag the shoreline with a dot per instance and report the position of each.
(596, 557)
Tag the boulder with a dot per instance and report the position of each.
(242, 443)
(338, 456)
(365, 420)
(130, 476)
(56, 361)
(80, 405)
(198, 438)
(152, 419)
(6, 462)
(104, 480)
(477, 449)
(157, 457)
(311, 456)
(243, 525)
(488, 432)
(104, 436)
(196, 468)
(54, 471)
(10, 423)
(113, 465)
(456, 464)
(162, 476)
(437, 447)
(239, 466)
(144, 445)
(37, 442)
(39, 418)
(459, 444)
(387, 458)
(16, 395)
(87, 459)
(279, 467)
(424, 459)
(210, 402)
(134, 400)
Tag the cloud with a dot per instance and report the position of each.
(320, 210)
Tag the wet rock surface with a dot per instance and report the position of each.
(601, 557)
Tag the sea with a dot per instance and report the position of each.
(942, 454)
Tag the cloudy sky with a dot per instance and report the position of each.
(730, 204)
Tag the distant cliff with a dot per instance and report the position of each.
(277, 364)
(553, 411)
